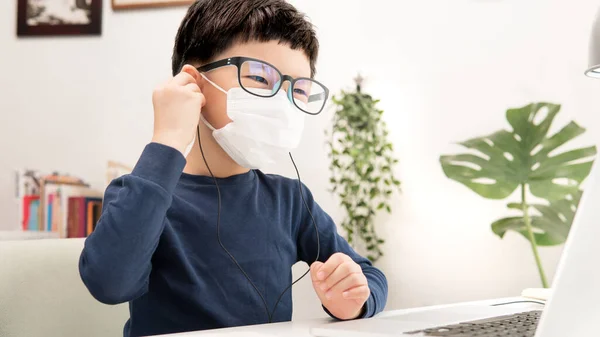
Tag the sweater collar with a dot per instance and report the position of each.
(208, 180)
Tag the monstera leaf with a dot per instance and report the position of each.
(526, 158)
(504, 160)
(550, 226)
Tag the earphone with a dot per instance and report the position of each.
(269, 313)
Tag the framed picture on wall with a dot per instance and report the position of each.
(132, 4)
(59, 17)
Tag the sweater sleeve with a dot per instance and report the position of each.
(330, 243)
(115, 263)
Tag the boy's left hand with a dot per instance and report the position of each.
(341, 286)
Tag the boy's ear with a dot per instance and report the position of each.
(192, 71)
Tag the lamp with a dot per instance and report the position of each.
(594, 50)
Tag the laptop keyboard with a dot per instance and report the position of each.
(516, 325)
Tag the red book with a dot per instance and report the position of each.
(71, 218)
(76, 218)
(26, 210)
(81, 218)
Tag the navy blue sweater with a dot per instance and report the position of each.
(155, 246)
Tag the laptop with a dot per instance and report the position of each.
(572, 309)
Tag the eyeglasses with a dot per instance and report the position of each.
(255, 76)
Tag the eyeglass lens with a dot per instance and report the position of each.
(263, 80)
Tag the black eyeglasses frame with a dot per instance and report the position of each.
(239, 60)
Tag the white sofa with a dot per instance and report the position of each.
(41, 293)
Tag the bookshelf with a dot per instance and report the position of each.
(56, 206)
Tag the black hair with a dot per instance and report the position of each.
(212, 26)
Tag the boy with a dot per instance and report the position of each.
(209, 242)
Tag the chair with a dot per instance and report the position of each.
(41, 293)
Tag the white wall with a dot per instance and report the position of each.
(445, 71)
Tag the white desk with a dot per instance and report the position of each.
(302, 328)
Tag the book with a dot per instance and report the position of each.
(57, 210)
(66, 192)
(49, 212)
(51, 184)
(29, 212)
(91, 217)
(81, 219)
(45, 204)
(97, 214)
(73, 217)
(26, 194)
(32, 223)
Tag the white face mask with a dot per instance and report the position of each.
(262, 131)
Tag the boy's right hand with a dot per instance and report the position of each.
(177, 107)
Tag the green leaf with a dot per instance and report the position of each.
(503, 160)
(551, 227)
(515, 205)
(502, 226)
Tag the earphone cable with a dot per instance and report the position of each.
(269, 314)
(219, 224)
(316, 231)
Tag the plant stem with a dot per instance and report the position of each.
(527, 221)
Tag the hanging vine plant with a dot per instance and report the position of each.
(361, 167)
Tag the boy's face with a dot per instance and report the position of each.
(287, 60)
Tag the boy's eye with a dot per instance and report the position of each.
(258, 79)
(301, 95)
(300, 92)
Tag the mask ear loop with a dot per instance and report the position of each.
(213, 83)
(212, 128)
(207, 123)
